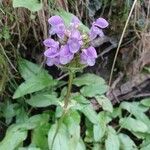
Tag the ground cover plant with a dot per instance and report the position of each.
(64, 93)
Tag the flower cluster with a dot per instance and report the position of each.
(72, 42)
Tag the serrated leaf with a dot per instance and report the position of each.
(105, 103)
(32, 5)
(43, 100)
(112, 141)
(146, 102)
(67, 17)
(88, 79)
(133, 125)
(126, 143)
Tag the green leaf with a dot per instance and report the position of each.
(61, 141)
(8, 111)
(13, 138)
(43, 100)
(100, 128)
(90, 113)
(133, 125)
(67, 17)
(140, 135)
(146, 143)
(33, 84)
(32, 5)
(112, 141)
(72, 121)
(39, 136)
(132, 106)
(97, 147)
(126, 142)
(17, 133)
(147, 69)
(105, 103)
(92, 85)
(146, 147)
(146, 102)
(80, 145)
(28, 148)
(93, 90)
(80, 98)
(34, 121)
(28, 69)
(89, 131)
(88, 79)
(138, 111)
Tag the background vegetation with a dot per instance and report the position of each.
(25, 120)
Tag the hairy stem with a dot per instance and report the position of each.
(67, 97)
(66, 102)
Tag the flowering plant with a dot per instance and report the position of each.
(72, 49)
(72, 44)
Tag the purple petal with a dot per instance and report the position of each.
(52, 61)
(51, 43)
(74, 45)
(55, 20)
(94, 32)
(75, 21)
(91, 52)
(83, 57)
(59, 30)
(101, 22)
(75, 34)
(88, 56)
(65, 55)
(86, 60)
(51, 53)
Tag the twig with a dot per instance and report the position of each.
(7, 58)
(121, 39)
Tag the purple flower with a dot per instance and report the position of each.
(55, 20)
(74, 45)
(96, 29)
(101, 23)
(52, 61)
(65, 55)
(75, 21)
(88, 56)
(52, 55)
(75, 34)
(51, 43)
(94, 32)
(58, 26)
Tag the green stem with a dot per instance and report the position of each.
(66, 102)
(67, 97)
